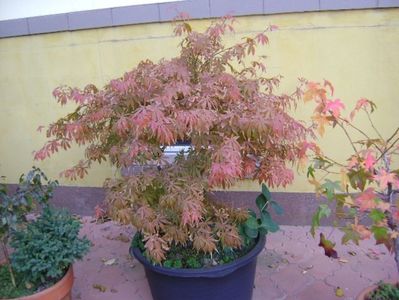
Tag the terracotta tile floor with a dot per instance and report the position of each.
(291, 267)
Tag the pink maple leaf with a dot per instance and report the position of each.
(262, 38)
(335, 107)
(369, 160)
(365, 200)
(353, 162)
(383, 178)
(361, 103)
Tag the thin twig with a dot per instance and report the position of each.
(334, 161)
(7, 257)
(388, 148)
(348, 136)
(356, 128)
(372, 125)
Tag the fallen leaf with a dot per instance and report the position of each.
(341, 260)
(28, 285)
(328, 247)
(100, 287)
(285, 261)
(121, 237)
(307, 268)
(353, 253)
(110, 262)
(339, 292)
(373, 254)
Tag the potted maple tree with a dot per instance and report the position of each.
(238, 127)
(361, 189)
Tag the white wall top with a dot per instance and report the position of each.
(27, 17)
(17, 9)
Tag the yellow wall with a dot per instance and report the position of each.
(356, 50)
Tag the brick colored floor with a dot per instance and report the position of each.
(292, 266)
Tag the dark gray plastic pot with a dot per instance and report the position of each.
(232, 281)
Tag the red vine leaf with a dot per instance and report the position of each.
(328, 247)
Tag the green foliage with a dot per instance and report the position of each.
(34, 188)
(193, 263)
(385, 291)
(376, 215)
(185, 257)
(330, 187)
(7, 289)
(350, 235)
(322, 211)
(46, 248)
(255, 226)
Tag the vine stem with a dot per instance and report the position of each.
(348, 136)
(7, 256)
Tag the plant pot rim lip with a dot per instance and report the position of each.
(363, 293)
(44, 292)
(217, 271)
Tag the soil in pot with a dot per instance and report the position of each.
(233, 280)
(59, 290)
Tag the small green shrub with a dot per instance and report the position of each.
(385, 291)
(46, 248)
(7, 288)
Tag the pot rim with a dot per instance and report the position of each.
(61, 288)
(369, 289)
(211, 272)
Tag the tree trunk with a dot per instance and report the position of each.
(396, 249)
(7, 257)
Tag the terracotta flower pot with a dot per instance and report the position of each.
(59, 291)
(368, 290)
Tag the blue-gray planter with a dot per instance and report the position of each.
(232, 281)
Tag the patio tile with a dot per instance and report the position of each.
(351, 282)
(283, 270)
(317, 289)
(265, 289)
(291, 280)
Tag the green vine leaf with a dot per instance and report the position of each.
(323, 211)
(268, 223)
(330, 187)
(350, 235)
